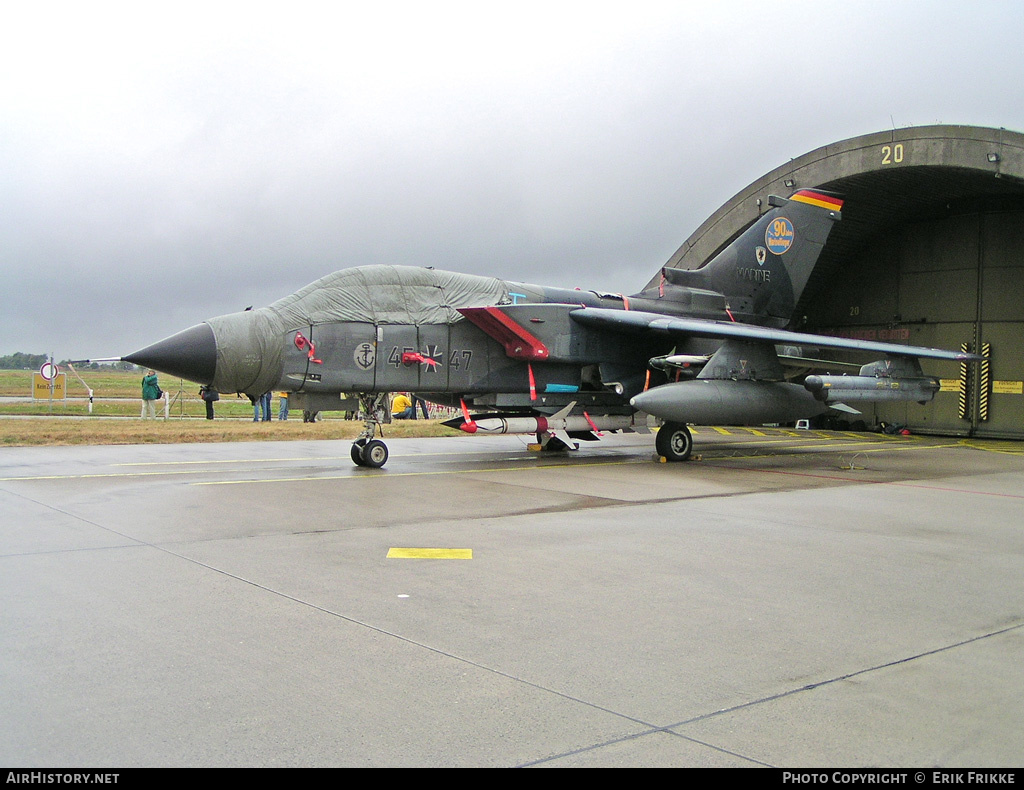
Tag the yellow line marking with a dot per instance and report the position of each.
(105, 474)
(914, 447)
(177, 472)
(723, 431)
(831, 448)
(504, 469)
(388, 475)
(233, 461)
(356, 476)
(430, 554)
(279, 460)
(742, 440)
(885, 442)
(974, 445)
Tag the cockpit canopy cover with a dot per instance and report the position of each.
(389, 295)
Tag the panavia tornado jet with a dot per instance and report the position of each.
(699, 346)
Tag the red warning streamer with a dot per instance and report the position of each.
(409, 357)
(304, 344)
(468, 425)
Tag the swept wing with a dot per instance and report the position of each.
(635, 321)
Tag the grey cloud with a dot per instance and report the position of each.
(150, 183)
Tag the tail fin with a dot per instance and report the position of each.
(764, 271)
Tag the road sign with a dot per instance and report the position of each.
(49, 371)
(44, 389)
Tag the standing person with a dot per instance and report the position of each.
(209, 395)
(261, 407)
(151, 393)
(282, 405)
(418, 401)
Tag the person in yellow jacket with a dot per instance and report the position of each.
(282, 405)
(401, 407)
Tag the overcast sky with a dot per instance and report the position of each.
(164, 163)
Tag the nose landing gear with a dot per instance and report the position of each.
(366, 450)
(373, 453)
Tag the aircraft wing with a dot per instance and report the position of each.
(636, 321)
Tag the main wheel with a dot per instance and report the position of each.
(357, 452)
(375, 454)
(674, 441)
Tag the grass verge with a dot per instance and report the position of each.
(38, 431)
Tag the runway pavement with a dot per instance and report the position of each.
(791, 598)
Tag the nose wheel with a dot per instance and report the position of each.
(373, 453)
(367, 451)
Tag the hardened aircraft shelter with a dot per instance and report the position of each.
(930, 251)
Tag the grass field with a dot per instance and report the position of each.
(27, 431)
(104, 383)
(115, 394)
(185, 407)
(118, 394)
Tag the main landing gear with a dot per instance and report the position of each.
(674, 441)
(367, 451)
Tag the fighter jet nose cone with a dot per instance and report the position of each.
(191, 354)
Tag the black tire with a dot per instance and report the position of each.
(357, 452)
(674, 441)
(375, 454)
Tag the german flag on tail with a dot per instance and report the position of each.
(819, 199)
